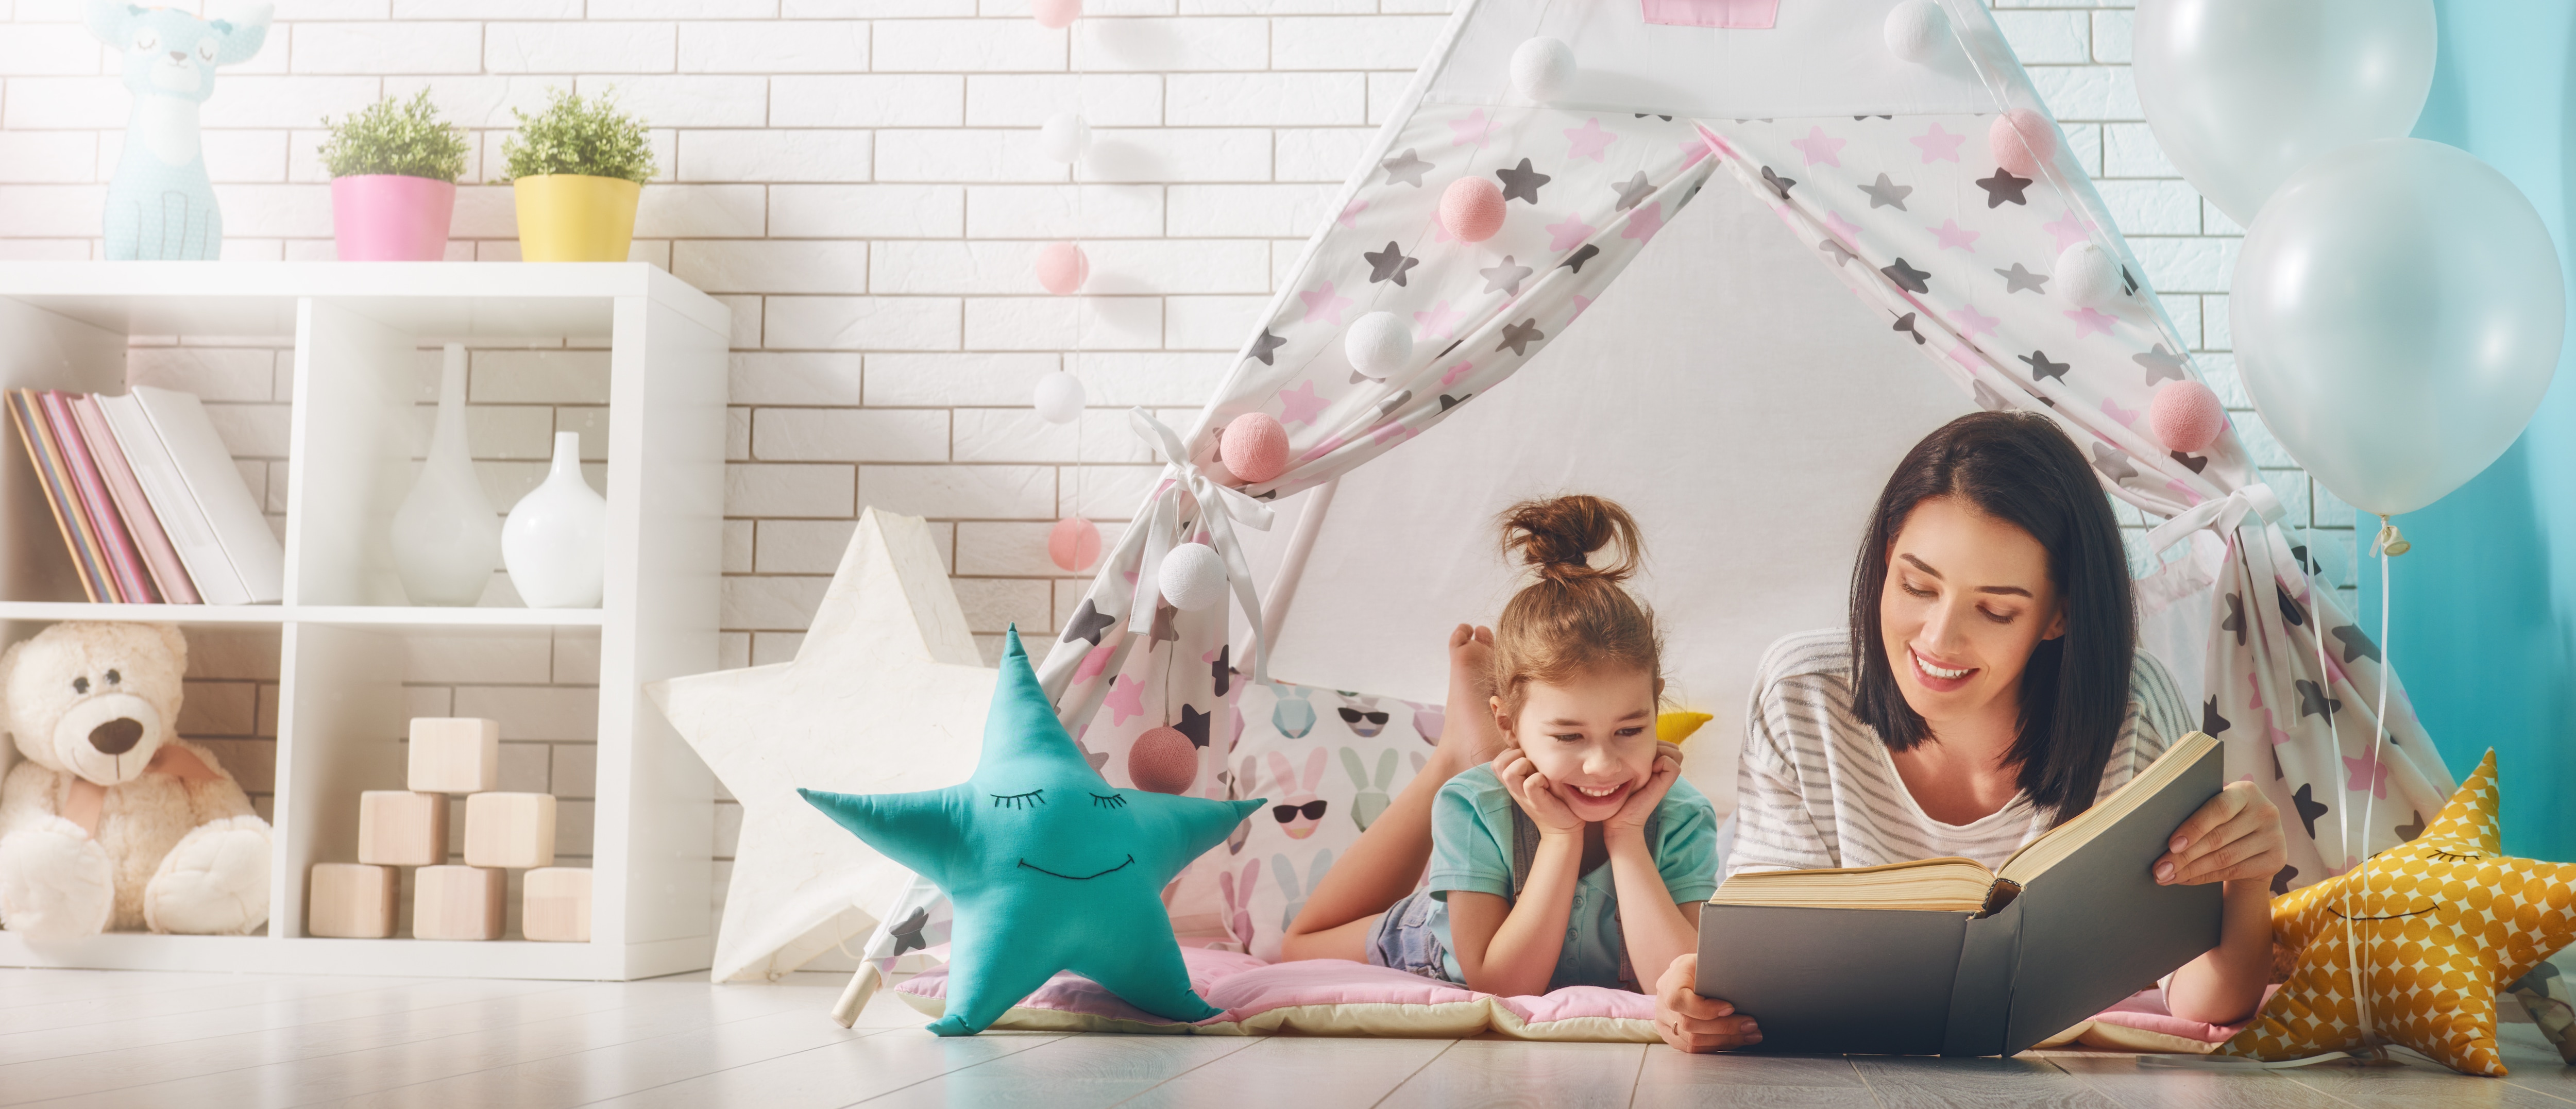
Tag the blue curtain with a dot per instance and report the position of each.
(2483, 610)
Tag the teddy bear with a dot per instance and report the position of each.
(111, 821)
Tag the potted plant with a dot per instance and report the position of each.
(393, 180)
(577, 169)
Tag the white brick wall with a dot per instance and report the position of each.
(857, 180)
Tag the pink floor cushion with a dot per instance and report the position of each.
(1329, 997)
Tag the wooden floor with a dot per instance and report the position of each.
(98, 1039)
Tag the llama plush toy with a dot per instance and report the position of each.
(161, 204)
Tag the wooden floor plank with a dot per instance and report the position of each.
(1671, 1078)
(1297, 1072)
(45, 986)
(238, 990)
(2021, 1083)
(1072, 1073)
(612, 1070)
(2403, 1084)
(1513, 1072)
(838, 1074)
(2123, 1080)
(270, 1012)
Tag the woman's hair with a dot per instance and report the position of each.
(2016, 467)
(1576, 618)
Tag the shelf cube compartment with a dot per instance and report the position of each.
(513, 830)
(402, 828)
(455, 754)
(458, 902)
(556, 904)
(354, 901)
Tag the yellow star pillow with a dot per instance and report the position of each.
(2444, 922)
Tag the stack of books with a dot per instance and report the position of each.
(148, 500)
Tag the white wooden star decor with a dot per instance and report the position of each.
(886, 695)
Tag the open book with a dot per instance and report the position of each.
(1945, 956)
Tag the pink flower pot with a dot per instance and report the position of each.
(383, 217)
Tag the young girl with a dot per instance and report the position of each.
(1577, 855)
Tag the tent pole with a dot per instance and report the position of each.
(1292, 562)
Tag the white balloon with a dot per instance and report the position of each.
(2241, 93)
(1541, 67)
(2088, 277)
(1193, 577)
(2397, 313)
(1059, 398)
(1378, 344)
(1915, 29)
(1064, 137)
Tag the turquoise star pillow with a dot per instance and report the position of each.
(1048, 866)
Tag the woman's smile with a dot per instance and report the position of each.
(1939, 678)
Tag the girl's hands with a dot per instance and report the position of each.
(1693, 1023)
(1535, 794)
(2235, 837)
(1641, 802)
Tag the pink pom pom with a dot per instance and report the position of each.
(1055, 15)
(2022, 141)
(1073, 543)
(1472, 208)
(1062, 268)
(2186, 416)
(1254, 447)
(1163, 761)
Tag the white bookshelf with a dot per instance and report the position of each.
(342, 630)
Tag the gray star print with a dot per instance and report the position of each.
(2018, 279)
(1522, 182)
(2113, 461)
(2160, 364)
(1406, 168)
(1505, 278)
(1886, 193)
(1518, 336)
(1633, 191)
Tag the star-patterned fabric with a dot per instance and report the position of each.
(2443, 923)
(1909, 207)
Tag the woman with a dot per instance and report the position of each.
(1994, 634)
(1987, 689)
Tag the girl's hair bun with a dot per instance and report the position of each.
(1557, 537)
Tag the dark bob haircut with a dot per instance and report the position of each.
(2016, 467)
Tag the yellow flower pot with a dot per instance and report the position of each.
(573, 218)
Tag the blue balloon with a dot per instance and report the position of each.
(2397, 310)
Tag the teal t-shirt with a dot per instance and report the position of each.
(1471, 849)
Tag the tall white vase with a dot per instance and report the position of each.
(446, 538)
(556, 541)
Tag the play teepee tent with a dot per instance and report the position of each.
(1935, 187)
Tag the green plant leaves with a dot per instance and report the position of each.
(388, 137)
(576, 136)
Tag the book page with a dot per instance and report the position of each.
(1945, 884)
(2038, 855)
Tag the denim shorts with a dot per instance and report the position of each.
(1404, 940)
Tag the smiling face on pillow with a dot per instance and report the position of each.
(94, 699)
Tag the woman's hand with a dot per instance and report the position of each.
(1535, 794)
(1641, 802)
(1693, 1023)
(2235, 837)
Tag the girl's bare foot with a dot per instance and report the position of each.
(1468, 737)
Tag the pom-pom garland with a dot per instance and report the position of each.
(1916, 29)
(1378, 344)
(1254, 447)
(1193, 577)
(1073, 544)
(2186, 416)
(2022, 140)
(1541, 68)
(1059, 397)
(2087, 277)
(1471, 208)
(1062, 268)
(1163, 760)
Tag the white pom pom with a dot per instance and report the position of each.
(1059, 398)
(1541, 67)
(1378, 344)
(2087, 277)
(1193, 577)
(1064, 137)
(1915, 29)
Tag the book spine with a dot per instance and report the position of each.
(172, 504)
(116, 548)
(1981, 994)
(169, 576)
(231, 512)
(22, 412)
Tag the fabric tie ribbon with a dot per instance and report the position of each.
(2225, 514)
(1220, 507)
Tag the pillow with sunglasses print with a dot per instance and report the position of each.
(1329, 761)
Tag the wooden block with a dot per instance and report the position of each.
(458, 902)
(512, 830)
(455, 754)
(401, 828)
(354, 901)
(556, 904)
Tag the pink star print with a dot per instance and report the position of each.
(1973, 323)
(1350, 216)
(1093, 663)
(1702, 143)
(1589, 140)
(1323, 302)
(1319, 450)
(2126, 417)
(1395, 432)
(1475, 130)
(1569, 234)
(1460, 370)
(1581, 302)
(1820, 148)
(1300, 405)
(1126, 698)
(1965, 355)
(2087, 322)
(1441, 322)
(1644, 220)
(2367, 772)
(1843, 229)
(2067, 229)
(2192, 499)
(1954, 236)
(1938, 145)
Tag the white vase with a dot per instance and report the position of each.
(446, 538)
(556, 541)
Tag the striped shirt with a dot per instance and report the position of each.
(1817, 788)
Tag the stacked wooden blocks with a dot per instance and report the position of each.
(503, 832)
